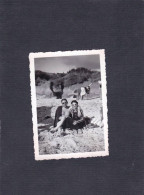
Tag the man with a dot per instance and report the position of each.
(61, 114)
(66, 117)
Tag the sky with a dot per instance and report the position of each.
(66, 63)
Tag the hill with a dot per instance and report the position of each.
(72, 77)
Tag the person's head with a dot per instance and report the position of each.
(64, 102)
(74, 104)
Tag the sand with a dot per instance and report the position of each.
(91, 139)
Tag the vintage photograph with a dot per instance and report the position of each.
(69, 104)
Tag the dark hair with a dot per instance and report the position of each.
(74, 101)
(64, 100)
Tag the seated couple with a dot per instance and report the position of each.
(69, 117)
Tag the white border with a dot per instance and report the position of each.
(32, 56)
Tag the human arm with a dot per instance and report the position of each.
(81, 117)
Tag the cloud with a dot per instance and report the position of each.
(66, 63)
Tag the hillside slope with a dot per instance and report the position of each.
(72, 77)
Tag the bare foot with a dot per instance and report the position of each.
(52, 130)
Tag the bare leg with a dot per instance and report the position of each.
(59, 124)
(59, 131)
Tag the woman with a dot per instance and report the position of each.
(76, 115)
(72, 117)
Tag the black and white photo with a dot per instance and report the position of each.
(69, 104)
